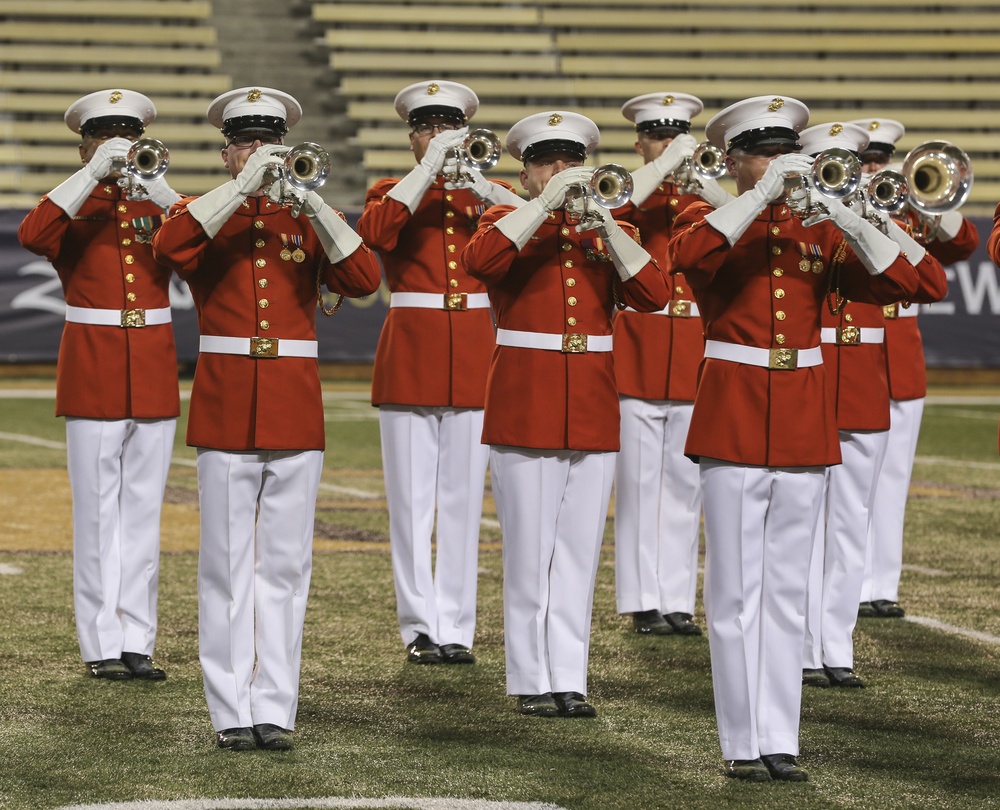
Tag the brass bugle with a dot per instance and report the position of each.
(939, 176)
(147, 159)
(887, 192)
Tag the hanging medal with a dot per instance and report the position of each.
(286, 254)
(298, 255)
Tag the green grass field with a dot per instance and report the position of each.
(926, 733)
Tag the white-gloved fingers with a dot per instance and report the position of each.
(608, 225)
(312, 203)
(101, 164)
(267, 158)
(159, 193)
(677, 151)
(438, 147)
(554, 193)
(772, 184)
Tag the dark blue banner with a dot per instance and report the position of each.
(963, 331)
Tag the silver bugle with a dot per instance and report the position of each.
(147, 159)
(939, 176)
(481, 149)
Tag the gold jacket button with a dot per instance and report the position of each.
(571, 321)
(568, 264)
(450, 230)
(564, 231)
(124, 224)
(130, 259)
(571, 301)
(265, 324)
(776, 250)
(779, 338)
(263, 303)
(777, 272)
(775, 230)
(126, 242)
(258, 224)
(453, 282)
(779, 293)
(571, 282)
(261, 262)
(262, 283)
(780, 314)
(122, 209)
(130, 277)
(451, 248)
(259, 243)
(130, 296)
(848, 317)
(453, 265)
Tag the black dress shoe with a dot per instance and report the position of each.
(749, 770)
(457, 654)
(142, 666)
(236, 739)
(887, 609)
(844, 676)
(538, 705)
(423, 651)
(573, 704)
(273, 738)
(815, 677)
(784, 768)
(866, 611)
(111, 669)
(651, 623)
(681, 624)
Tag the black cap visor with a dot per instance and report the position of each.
(765, 136)
(540, 148)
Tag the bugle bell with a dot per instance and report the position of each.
(146, 160)
(707, 162)
(610, 186)
(835, 174)
(887, 192)
(480, 150)
(305, 168)
(939, 176)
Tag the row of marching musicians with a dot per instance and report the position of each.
(736, 356)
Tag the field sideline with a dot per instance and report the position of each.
(375, 732)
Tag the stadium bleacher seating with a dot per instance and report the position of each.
(929, 64)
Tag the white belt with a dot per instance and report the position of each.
(258, 347)
(851, 335)
(891, 311)
(118, 317)
(775, 359)
(451, 301)
(675, 309)
(573, 343)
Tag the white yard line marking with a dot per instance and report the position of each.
(320, 803)
(934, 624)
(929, 572)
(10, 570)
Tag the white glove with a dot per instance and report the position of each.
(647, 178)
(733, 218)
(102, 164)
(629, 256)
(714, 194)
(949, 225)
(875, 250)
(266, 160)
(72, 193)
(554, 194)
(159, 193)
(411, 189)
(909, 246)
(337, 237)
(491, 193)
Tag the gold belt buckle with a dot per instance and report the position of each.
(783, 359)
(574, 343)
(457, 302)
(890, 311)
(848, 335)
(133, 318)
(263, 347)
(680, 309)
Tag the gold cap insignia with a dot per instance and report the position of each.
(555, 120)
(668, 100)
(116, 96)
(836, 129)
(254, 95)
(432, 88)
(873, 125)
(776, 104)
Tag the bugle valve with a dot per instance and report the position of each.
(610, 186)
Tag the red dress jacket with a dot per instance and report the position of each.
(561, 282)
(856, 380)
(767, 292)
(907, 370)
(242, 287)
(105, 261)
(657, 354)
(428, 357)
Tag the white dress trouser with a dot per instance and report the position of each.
(254, 565)
(840, 549)
(758, 540)
(552, 506)
(117, 473)
(657, 509)
(434, 457)
(889, 511)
